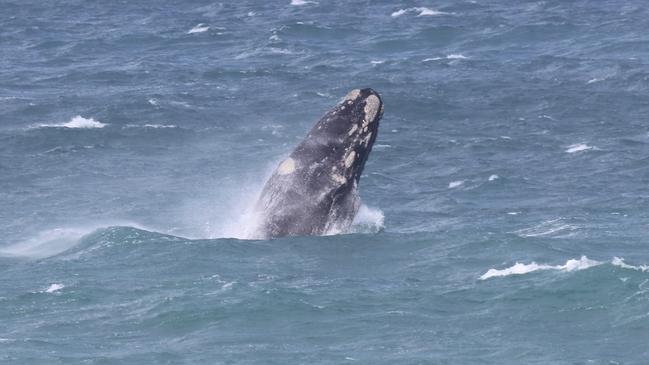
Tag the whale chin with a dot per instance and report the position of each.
(315, 189)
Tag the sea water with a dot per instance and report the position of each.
(505, 201)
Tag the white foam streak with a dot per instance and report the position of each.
(578, 148)
(301, 2)
(154, 126)
(547, 228)
(199, 28)
(452, 56)
(422, 11)
(520, 268)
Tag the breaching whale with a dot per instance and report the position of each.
(315, 190)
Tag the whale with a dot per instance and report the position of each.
(314, 191)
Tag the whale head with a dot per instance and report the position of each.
(343, 138)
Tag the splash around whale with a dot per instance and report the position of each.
(314, 191)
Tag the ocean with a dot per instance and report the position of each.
(504, 216)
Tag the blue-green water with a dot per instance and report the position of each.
(505, 217)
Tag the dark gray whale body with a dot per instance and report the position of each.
(314, 190)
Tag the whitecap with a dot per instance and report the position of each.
(493, 177)
(54, 287)
(521, 269)
(578, 147)
(455, 184)
(199, 28)
(76, 122)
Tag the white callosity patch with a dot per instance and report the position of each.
(286, 167)
(366, 140)
(340, 179)
(349, 159)
(351, 131)
(372, 105)
(352, 95)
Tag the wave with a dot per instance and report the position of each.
(51, 242)
(570, 265)
(46, 243)
(76, 123)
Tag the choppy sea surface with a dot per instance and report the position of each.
(505, 214)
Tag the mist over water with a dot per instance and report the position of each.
(504, 210)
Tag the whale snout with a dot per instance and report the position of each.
(373, 105)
